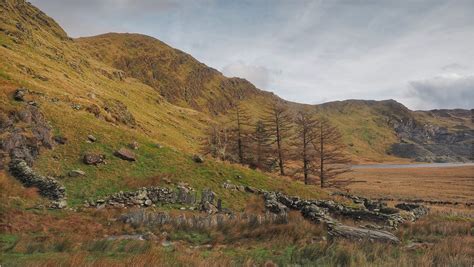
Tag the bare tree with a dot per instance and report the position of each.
(240, 121)
(333, 160)
(306, 135)
(216, 141)
(278, 121)
(261, 146)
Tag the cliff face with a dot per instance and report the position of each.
(422, 140)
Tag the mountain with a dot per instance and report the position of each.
(154, 82)
(105, 125)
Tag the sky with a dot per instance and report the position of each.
(418, 52)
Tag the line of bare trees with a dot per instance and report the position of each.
(294, 144)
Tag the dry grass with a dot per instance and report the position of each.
(447, 184)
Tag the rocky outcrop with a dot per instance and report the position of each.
(119, 112)
(93, 159)
(361, 234)
(21, 146)
(125, 154)
(19, 94)
(431, 143)
(47, 186)
(19, 142)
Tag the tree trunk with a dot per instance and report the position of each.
(305, 159)
(280, 155)
(321, 163)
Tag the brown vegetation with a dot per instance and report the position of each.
(449, 184)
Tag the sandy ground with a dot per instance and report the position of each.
(447, 184)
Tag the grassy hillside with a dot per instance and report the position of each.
(177, 76)
(79, 96)
(123, 88)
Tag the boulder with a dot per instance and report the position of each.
(19, 94)
(60, 139)
(198, 159)
(94, 109)
(186, 195)
(207, 195)
(76, 173)
(93, 159)
(91, 138)
(209, 208)
(133, 145)
(361, 234)
(125, 154)
(273, 205)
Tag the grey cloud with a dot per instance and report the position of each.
(455, 67)
(327, 50)
(446, 91)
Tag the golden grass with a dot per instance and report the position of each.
(447, 184)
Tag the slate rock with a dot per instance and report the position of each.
(125, 154)
(93, 159)
(76, 173)
(91, 138)
(60, 139)
(133, 145)
(198, 159)
(19, 94)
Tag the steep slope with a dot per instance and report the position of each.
(177, 76)
(65, 80)
(78, 96)
(385, 129)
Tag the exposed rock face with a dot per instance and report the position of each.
(125, 154)
(431, 143)
(22, 145)
(93, 159)
(48, 186)
(20, 142)
(119, 112)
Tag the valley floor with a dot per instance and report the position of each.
(41, 237)
(454, 184)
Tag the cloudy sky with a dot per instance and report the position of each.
(419, 52)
